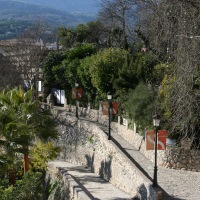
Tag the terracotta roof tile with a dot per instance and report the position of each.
(10, 42)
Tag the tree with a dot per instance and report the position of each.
(26, 53)
(176, 43)
(66, 37)
(22, 122)
(117, 16)
(85, 77)
(30, 187)
(104, 69)
(96, 31)
(52, 59)
(81, 51)
(61, 69)
(72, 63)
(140, 105)
(139, 68)
(9, 75)
(92, 32)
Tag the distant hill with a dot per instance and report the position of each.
(74, 6)
(25, 11)
(16, 16)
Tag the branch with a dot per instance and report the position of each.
(147, 44)
(190, 37)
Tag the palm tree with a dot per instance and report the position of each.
(22, 122)
(8, 134)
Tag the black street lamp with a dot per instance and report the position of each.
(34, 86)
(156, 123)
(76, 86)
(109, 97)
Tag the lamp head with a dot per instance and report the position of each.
(156, 120)
(109, 96)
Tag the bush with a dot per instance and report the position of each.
(140, 105)
(29, 188)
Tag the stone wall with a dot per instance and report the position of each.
(184, 159)
(176, 157)
(138, 141)
(88, 113)
(83, 142)
(62, 185)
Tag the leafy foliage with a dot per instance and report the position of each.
(10, 28)
(85, 77)
(140, 105)
(160, 69)
(29, 188)
(104, 69)
(54, 191)
(84, 33)
(81, 51)
(22, 121)
(139, 67)
(41, 154)
(53, 59)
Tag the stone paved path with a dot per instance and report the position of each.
(180, 185)
(94, 187)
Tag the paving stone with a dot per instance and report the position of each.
(94, 186)
(178, 184)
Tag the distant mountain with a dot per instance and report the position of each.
(83, 6)
(26, 11)
(18, 15)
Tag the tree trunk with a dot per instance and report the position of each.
(26, 159)
(12, 176)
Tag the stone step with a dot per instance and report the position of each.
(83, 184)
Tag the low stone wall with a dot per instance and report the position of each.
(138, 141)
(91, 114)
(83, 142)
(184, 159)
(63, 186)
(181, 158)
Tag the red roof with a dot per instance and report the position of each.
(8, 43)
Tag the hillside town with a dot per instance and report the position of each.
(106, 108)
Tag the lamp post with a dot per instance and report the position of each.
(109, 97)
(34, 86)
(76, 86)
(156, 123)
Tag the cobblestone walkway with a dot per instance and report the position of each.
(178, 184)
(93, 186)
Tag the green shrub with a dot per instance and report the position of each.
(140, 105)
(29, 188)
